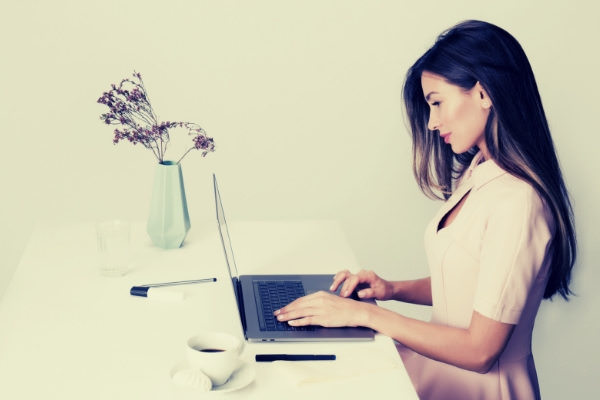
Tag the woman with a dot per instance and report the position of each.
(503, 240)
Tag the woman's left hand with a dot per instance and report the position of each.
(325, 309)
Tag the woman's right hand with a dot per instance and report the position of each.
(369, 283)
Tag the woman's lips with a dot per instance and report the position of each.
(446, 137)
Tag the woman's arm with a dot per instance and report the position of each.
(475, 348)
(416, 292)
(370, 285)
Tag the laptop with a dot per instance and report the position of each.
(259, 295)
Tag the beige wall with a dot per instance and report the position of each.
(303, 100)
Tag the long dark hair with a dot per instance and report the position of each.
(516, 134)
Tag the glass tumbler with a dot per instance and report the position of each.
(114, 251)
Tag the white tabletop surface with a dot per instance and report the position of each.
(68, 333)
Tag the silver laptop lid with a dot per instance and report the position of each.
(224, 232)
(228, 250)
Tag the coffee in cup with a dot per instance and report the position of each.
(216, 354)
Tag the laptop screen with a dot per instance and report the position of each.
(228, 250)
(224, 232)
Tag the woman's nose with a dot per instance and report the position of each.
(433, 123)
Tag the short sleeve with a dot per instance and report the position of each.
(513, 249)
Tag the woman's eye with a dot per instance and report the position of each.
(435, 104)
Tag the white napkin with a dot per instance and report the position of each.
(301, 373)
(165, 295)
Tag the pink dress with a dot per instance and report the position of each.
(492, 259)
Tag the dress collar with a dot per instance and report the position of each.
(482, 171)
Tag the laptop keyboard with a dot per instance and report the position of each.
(271, 296)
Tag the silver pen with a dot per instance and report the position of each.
(142, 290)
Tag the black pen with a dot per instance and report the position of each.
(294, 357)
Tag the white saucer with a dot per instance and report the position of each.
(241, 378)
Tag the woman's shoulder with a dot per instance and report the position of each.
(508, 186)
(490, 179)
(514, 198)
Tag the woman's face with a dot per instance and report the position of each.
(459, 115)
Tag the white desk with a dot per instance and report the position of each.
(68, 333)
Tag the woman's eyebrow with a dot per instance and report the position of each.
(429, 95)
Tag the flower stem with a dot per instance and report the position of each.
(184, 154)
(154, 152)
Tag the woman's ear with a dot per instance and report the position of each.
(483, 96)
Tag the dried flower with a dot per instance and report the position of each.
(129, 107)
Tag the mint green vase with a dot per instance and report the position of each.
(169, 221)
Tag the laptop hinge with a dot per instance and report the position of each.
(240, 300)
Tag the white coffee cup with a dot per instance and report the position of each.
(217, 354)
